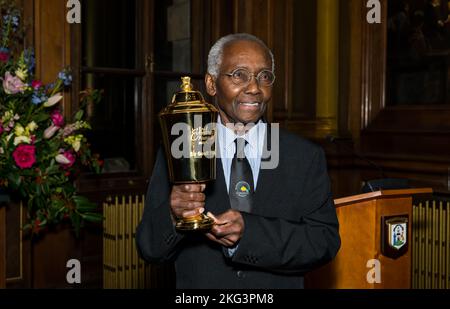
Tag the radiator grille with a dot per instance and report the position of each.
(431, 245)
(122, 267)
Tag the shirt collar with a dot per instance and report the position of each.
(252, 136)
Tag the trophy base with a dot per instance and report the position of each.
(197, 223)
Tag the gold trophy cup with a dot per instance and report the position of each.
(190, 157)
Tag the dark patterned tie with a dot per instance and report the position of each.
(241, 179)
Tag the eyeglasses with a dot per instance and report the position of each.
(242, 77)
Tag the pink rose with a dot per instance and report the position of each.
(12, 84)
(24, 155)
(4, 56)
(36, 84)
(57, 118)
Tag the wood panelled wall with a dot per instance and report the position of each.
(410, 142)
(405, 141)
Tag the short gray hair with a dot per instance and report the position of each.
(216, 52)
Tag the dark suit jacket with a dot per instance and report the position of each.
(292, 229)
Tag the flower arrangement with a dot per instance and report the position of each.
(41, 153)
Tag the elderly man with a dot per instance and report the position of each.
(272, 225)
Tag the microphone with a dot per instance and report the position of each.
(334, 140)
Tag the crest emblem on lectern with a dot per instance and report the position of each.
(398, 234)
(394, 242)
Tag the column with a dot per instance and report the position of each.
(327, 89)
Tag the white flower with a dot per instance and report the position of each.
(76, 145)
(21, 140)
(9, 137)
(61, 159)
(53, 100)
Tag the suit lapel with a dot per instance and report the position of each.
(267, 180)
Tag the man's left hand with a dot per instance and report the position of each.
(228, 228)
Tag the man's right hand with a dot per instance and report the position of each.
(187, 200)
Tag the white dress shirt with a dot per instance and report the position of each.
(253, 150)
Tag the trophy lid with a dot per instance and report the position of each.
(187, 100)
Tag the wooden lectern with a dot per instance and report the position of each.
(371, 227)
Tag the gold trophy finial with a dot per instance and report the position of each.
(186, 86)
